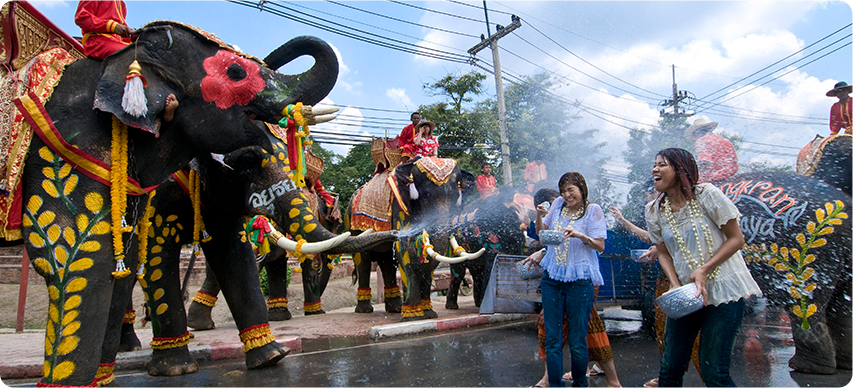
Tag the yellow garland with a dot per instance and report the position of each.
(195, 197)
(142, 233)
(411, 311)
(426, 304)
(256, 336)
(104, 375)
(392, 292)
(298, 252)
(129, 316)
(171, 343)
(458, 251)
(363, 294)
(280, 302)
(205, 299)
(118, 194)
(312, 307)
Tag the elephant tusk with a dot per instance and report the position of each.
(460, 252)
(316, 247)
(316, 115)
(444, 259)
(366, 232)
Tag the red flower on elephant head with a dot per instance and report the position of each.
(231, 79)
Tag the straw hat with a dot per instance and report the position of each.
(422, 123)
(701, 126)
(839, 87)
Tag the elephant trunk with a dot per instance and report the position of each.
(460, 253)
(314, 84)
(364, 241)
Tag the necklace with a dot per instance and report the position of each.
(695, 215)
(562, 251)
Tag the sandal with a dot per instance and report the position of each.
(595, 371)
(651, 383)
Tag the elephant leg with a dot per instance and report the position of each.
(129, 341)
(311, 268)
(478, 275)
(122, 289)
(277, 281)
(426, 302)
(814, 350)
(161, 285)
(325, 273)
(838, 315)
(362, 262)
(199, 316)
(233, 263)
(457, 271)
(393, 296)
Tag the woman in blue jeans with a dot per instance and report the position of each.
(571, 270)
(696, 232)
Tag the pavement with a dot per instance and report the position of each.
(24, 358)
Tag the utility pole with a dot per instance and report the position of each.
(677, 97)
(492, 41)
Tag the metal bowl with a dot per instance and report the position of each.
(636, 253)
(681, 301)
(551, 237)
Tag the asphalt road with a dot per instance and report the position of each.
(491, 356)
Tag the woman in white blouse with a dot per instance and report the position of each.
(695, 229)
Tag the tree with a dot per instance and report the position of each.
(343, 175)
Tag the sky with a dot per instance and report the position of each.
(614, 57)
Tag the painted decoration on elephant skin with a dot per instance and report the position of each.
(794, 242)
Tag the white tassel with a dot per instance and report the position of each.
(134, 102)
(459, 200)
(413, 192)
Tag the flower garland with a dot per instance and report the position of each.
(199, 232)
(205, 299)
(392, 292)
(311, 307)
(695, 213)
(561, 256)
(256, 336)
(334, 260)
(118, 194)
(294, 112)
(129, 316)
(163, 343)
(280, 302)
(363, 294)
(142, 233)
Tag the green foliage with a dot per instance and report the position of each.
(265, 281)
(765, 166)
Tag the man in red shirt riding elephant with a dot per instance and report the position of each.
(105, 30)
(839, 114)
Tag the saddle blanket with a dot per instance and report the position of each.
(371, 206)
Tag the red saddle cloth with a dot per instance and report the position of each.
(371, 205)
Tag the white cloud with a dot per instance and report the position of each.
(399, 95)
(49, 3)
(347, 122)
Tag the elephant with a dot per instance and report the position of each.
(440, 190)
(828, 159)
(66, 191)
(497, 224)
(229, 193)
(798, 234)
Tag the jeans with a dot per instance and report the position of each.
(719, 326)
(575, 299)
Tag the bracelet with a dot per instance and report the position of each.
(588, 241)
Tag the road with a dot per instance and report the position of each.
(492, 356)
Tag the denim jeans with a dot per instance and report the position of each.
(719, 325)
(575, 299)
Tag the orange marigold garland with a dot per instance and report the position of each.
(280, 302)
(312, 307)
(205, 299)
(256, 336)
(118, 194)
(426, 304)
(162, 343)
(364, 294)
(411, 311)
(142, 233)
(129, 316)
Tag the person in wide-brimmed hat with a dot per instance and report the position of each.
(426, 144)
(839, 114)
(715, 154)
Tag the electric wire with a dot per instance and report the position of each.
(401, 20)
(439, 12)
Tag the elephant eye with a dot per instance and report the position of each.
(236, 72)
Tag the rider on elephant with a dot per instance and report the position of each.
(104, 28)
(839, 114)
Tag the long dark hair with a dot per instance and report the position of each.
(685, 167)
(575, 178)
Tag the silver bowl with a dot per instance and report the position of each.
(636, 253)
(551, 237)
(680, 301)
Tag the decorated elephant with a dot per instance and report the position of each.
(828, 159)
(497, 224)
(798, 235)
(76, 216)
(227, 192)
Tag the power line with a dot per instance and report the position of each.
(438, 12)
(402, 46)
(401, 20)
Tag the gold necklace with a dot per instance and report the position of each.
(562, 251)
(695, 214)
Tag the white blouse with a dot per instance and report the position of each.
(734, 280)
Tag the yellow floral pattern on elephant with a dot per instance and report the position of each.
(63, 246)
(794, 262)
(164, 234)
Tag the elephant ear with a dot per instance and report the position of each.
(402, 173)
(246, 161)
(467, 182)
(110, 90)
